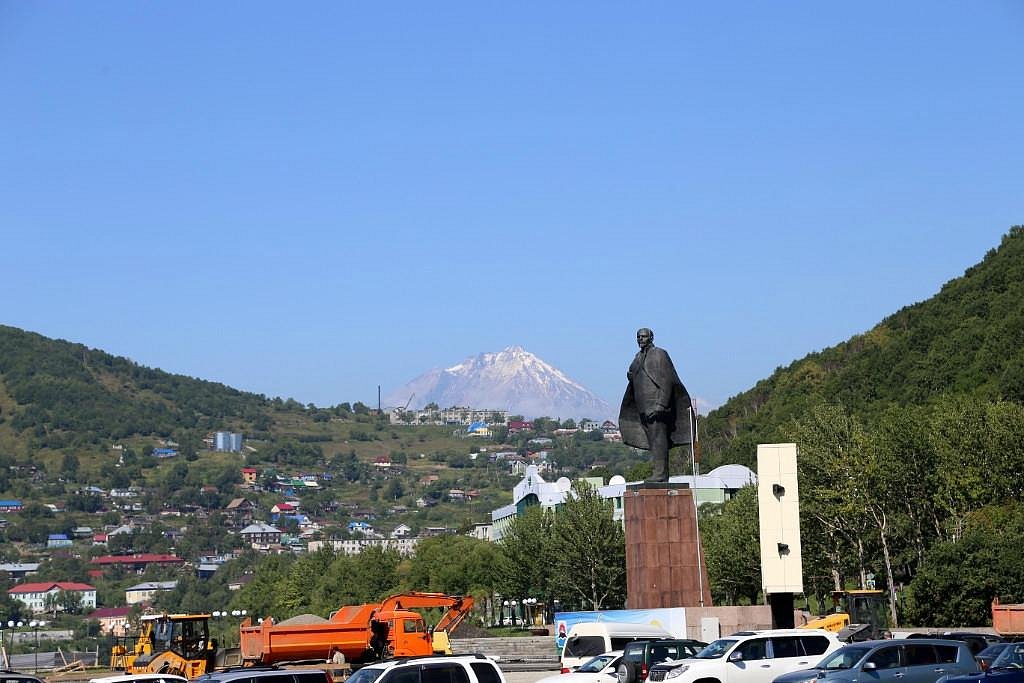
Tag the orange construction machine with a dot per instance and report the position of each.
(362, 633)
(167, 643)
(1008, 620)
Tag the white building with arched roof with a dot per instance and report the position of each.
(717, 486)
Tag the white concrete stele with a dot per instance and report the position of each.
(778, 505)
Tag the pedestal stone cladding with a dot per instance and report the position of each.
(664, 567)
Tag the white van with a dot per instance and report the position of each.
(590, 638)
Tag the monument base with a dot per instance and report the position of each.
(664, 563)
(782, 610)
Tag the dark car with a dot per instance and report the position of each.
(638, 657)
(1008, 667)
(989, 654)
(894, 661)
(16, 677)
(265, 674)
(975, 641)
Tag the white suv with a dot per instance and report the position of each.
(440, 669)
(750, 657)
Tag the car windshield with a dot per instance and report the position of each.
(365, 675)
(635, 651)
(596, 664)
(716, 649)
(584, 646)
(993, 650)
(844, 658)
(1010, 658)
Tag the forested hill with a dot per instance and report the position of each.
(967, 340)
(63, 394)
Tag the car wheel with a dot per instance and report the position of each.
(626, 674)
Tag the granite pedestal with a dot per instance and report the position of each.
(664, 564)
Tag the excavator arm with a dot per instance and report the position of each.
(456, 606)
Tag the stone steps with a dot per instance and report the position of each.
(537, 651)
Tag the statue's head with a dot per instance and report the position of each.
(644, 337)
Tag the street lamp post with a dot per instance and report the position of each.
(529, 605)
(237, 613)
(35, 624)
(504, 606)
(11, 624)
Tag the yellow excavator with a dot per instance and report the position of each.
(857, 615)
(167, 643)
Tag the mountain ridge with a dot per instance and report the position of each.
(512, 379)
(967, 339)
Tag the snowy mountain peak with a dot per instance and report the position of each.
(512, 379)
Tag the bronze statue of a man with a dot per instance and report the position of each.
(655, 412)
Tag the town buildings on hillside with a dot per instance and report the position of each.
(448, 416)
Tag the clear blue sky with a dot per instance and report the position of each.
(311, 199)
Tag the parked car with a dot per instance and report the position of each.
(265, 674)
(588, 639)
(600, 669)
(437, 669)
(1008, 667)
(751, 657)
(895, 661)
(140, 678)
(975, 641)
(640, 656)
(7, 676)
(989, 654)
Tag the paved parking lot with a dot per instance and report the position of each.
(527, 676)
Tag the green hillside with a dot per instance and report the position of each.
(69, 394)
(72, 416)
(967, 340)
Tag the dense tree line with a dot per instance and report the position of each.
(924, 499)
(576, 555)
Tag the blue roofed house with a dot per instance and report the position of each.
(479, 429)
(356, 527)
(58, 541)
(164, 453)
(10, 506)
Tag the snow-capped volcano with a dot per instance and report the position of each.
(513, 379)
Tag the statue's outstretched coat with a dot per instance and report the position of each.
(657, 365)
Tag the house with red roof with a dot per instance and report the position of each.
(46, 595)
(249, 476)
(138, 563)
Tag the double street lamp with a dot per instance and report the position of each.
(36, 624)
(11, 625)
(528, 606)
(236, 613)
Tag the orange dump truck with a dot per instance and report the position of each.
(1008, 620)
(362, 632)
